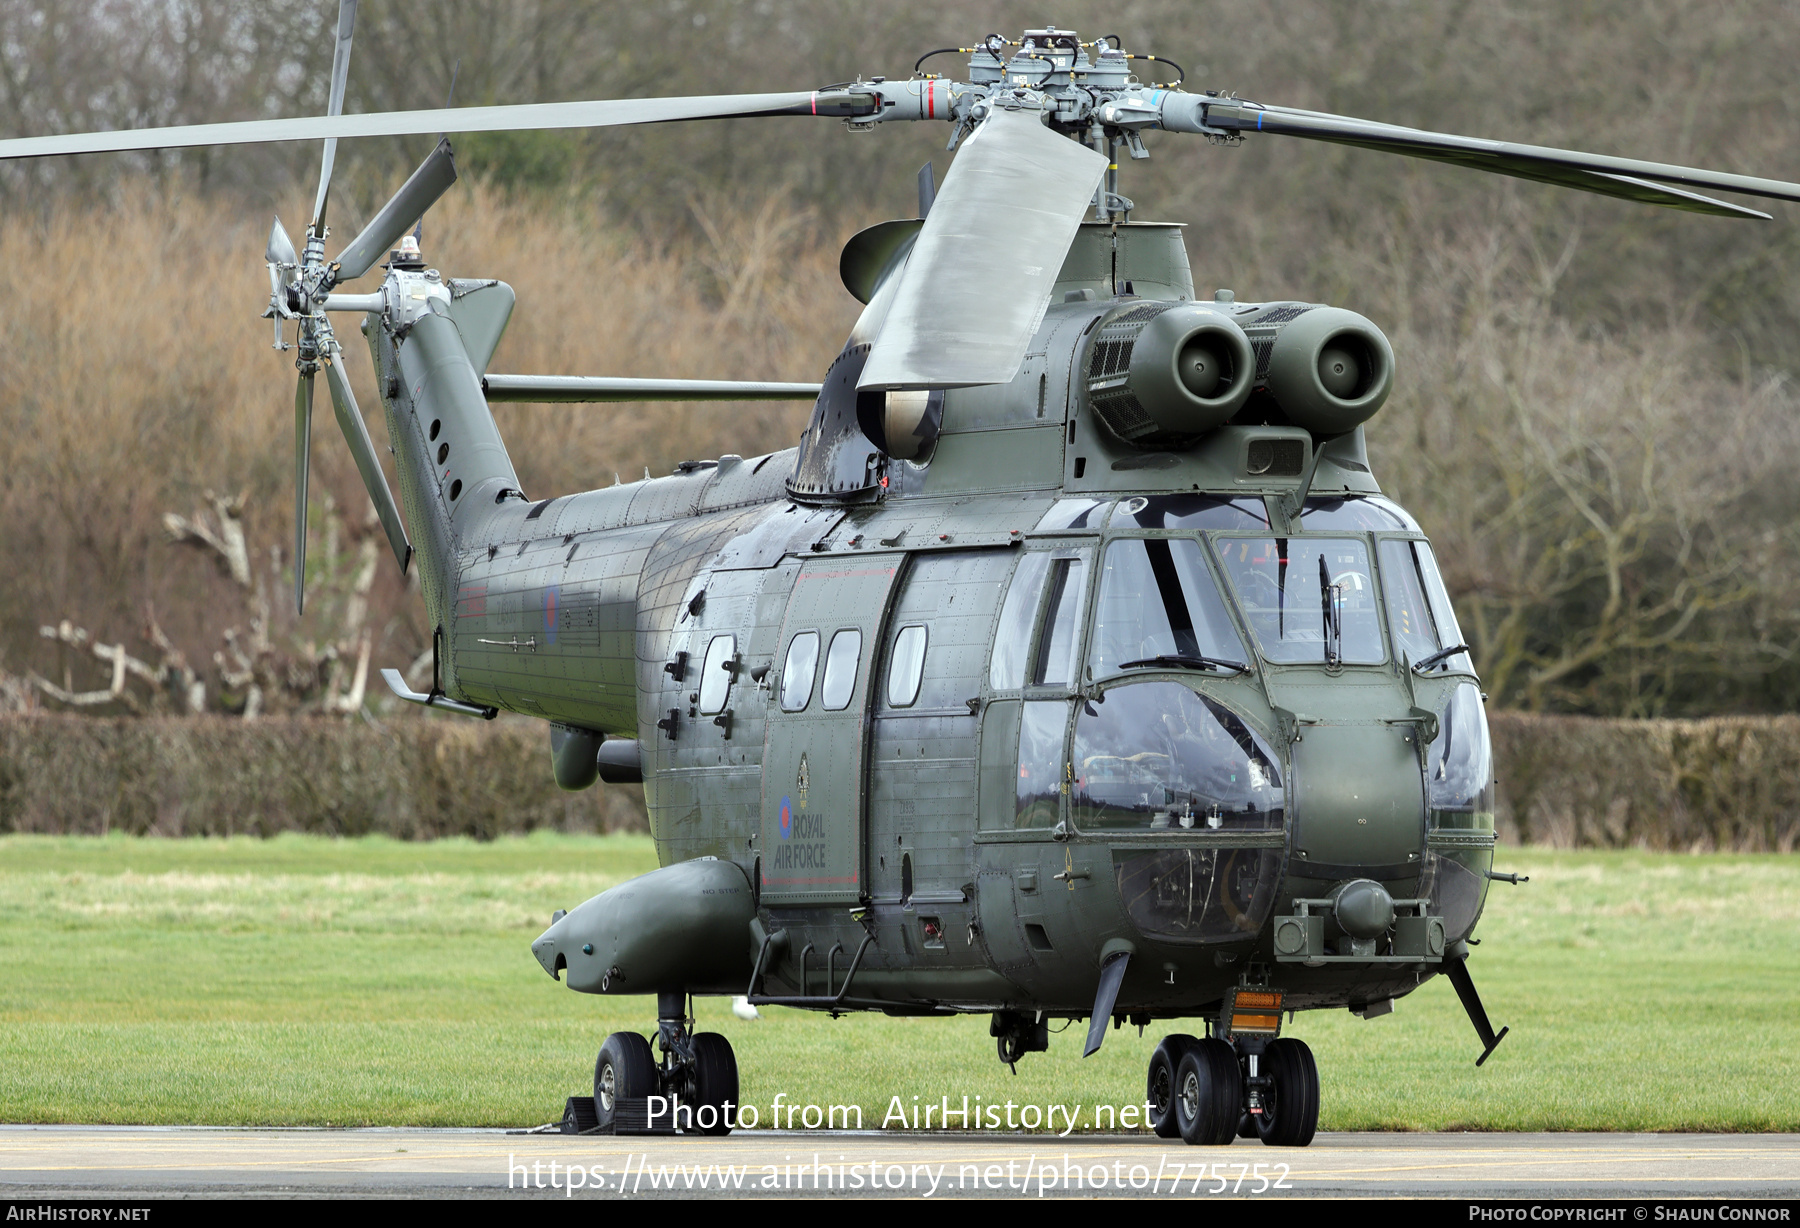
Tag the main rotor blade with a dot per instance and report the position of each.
(408, 205)
(302, 461)
(979, 278)
(605, 113)
(1609, 176)
(362, 449)
(340, 72)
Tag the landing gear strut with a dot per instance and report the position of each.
(696, 1078)
(699, 1071)
(1212, 1091)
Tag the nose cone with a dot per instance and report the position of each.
(1364, 908)
(548, 951)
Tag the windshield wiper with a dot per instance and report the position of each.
(1438, 658)
(1331, 614)
(1182, 661)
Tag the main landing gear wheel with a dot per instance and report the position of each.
(1290, 1113)
(1159, 1090)
(1208, 1094)
(625, 1067)
(714, 1083)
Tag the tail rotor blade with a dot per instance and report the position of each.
(281, 248)
(408, 205)
(340, 72)
(356, 434)
(302, 461)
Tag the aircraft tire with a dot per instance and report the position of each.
(625, 1067)
(715, 1082)
(1207, 1094)
(1291, 1116)
(1159, 1089)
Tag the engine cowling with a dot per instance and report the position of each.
(1164, 374)
(1330, 370)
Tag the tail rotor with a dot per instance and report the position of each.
(300, 286)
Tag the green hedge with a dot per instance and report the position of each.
(415, 778)
(1728, 783)
(1724, 783)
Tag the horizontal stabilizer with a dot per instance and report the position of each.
(398, 686)
(546, 389)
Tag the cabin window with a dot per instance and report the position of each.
(1055, 664)
(840, 669)
(797, 673)
(1012, 640)
(715, 675)
(1157, 599)
(907, 669)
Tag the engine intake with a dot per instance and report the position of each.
(1163, 374)
(1330, 370)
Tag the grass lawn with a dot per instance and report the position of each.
(305, 981)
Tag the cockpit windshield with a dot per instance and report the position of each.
(1158, 600)
(1307, 599)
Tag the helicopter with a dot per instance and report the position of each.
(1073, 666)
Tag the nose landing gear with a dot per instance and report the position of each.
(693, 1088)
(1286, 1080)
(1211, 1091)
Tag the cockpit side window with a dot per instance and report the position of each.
(1041, 762)
(1159, 599)
(1409, 616)
(1012, 639)
(1055, 664)
(1435, 593)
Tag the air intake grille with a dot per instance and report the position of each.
(1262, 349)
(1108, 377)
(1281, 315)
(1262, 329)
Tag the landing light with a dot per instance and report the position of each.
(1254, 1012)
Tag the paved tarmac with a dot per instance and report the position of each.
(139, 1161)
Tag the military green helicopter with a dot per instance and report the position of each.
(1072, 666)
